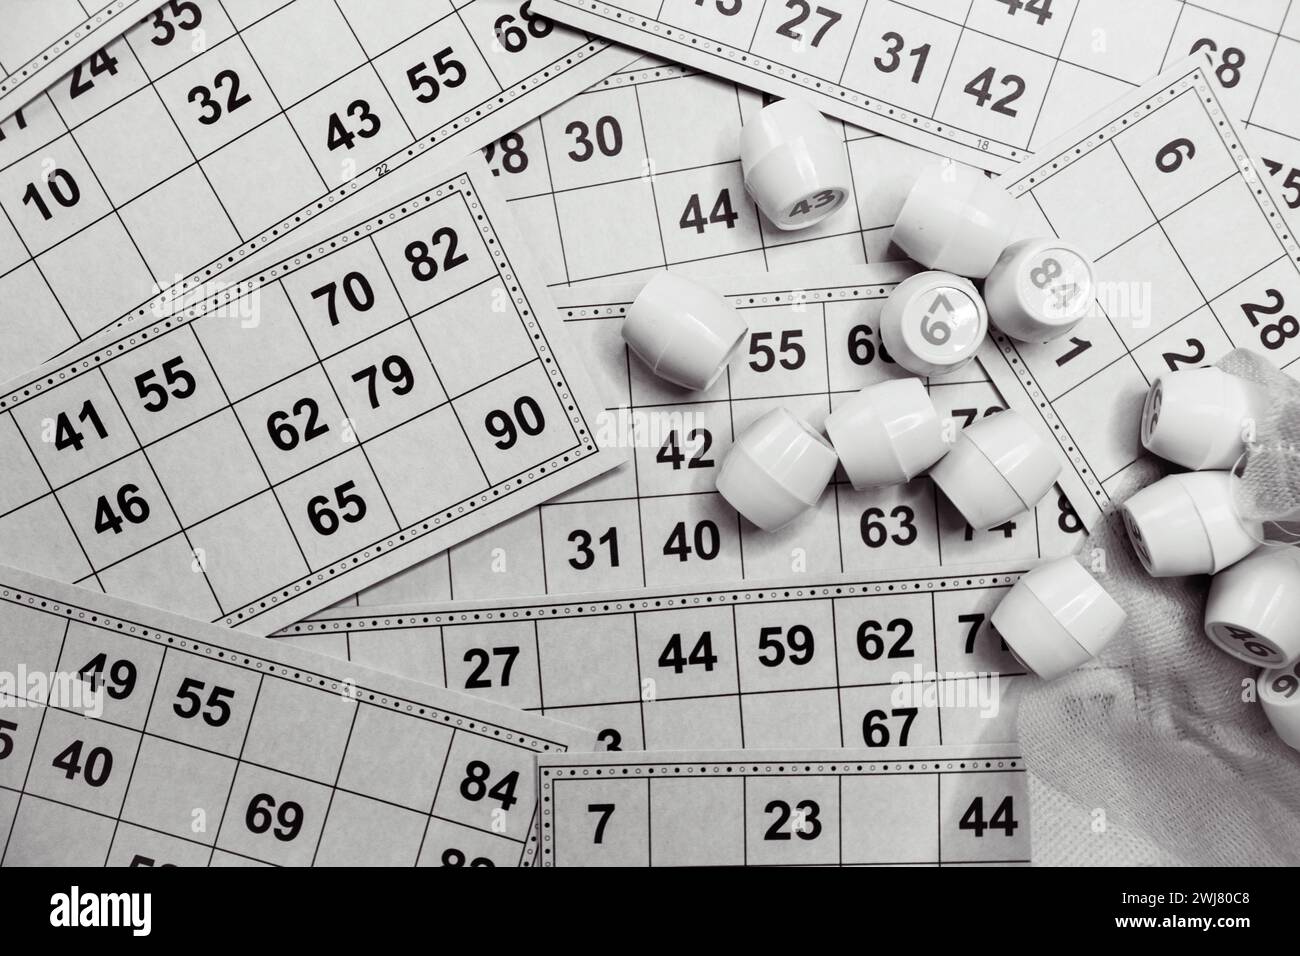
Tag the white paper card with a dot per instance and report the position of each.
(201, 137)
(44, 40)
(944, 806)
(360, 406)
(983, 81)
(886, 660)
(133, 737)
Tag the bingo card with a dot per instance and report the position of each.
(1193, 259)
(943, 806)
(983, 81)
(886, 660)
(358, 407)
(642, 172)
(46, 39)
(134, 737)
(214, 127)
(657, 520)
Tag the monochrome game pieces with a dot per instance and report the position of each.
(934, 323)
(1250, 612)
(776, 470)
(1200, 418)
(646, 433)
(887, 433)
(955, 220)
(793, 165)
(1039, 289)
(814, 342)
(685, 332)
(997, 468)
(1056, 617)
(1278, 690)
(1186, 523)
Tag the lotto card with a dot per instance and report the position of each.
(133, 737)
(944, 806)
(43, 40)
(1193, 259)
(358, 406)
(210, 129)
(642, 172)
(886, 660)
(658, 520)
(987, 82)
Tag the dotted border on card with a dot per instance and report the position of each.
(60, 46)
(752, 301)
(143, 332)
(1050, 166)
(720, 770)
(297, 675)
(668, 71)
(816, 84)
(464, 614)
(160, 303)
